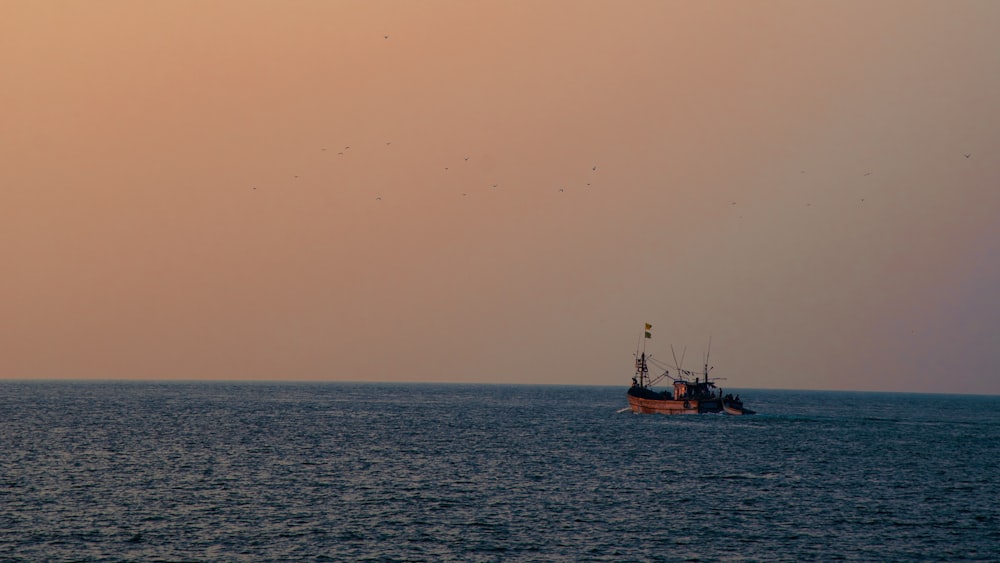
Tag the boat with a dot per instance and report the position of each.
(734, 406)
(684, 396)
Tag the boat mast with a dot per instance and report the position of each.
(640, 362)
(707, 355)
(642, 369)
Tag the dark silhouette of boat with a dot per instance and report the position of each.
(684, 396)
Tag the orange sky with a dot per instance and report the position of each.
(177, 199)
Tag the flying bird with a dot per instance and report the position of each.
(968, 154)
(385, 36)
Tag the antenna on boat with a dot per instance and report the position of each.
(678, 365)
(707, 354)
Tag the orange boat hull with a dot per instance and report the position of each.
(657, 406)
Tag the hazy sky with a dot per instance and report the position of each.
(502, 191)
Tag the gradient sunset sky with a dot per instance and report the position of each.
(502, 191)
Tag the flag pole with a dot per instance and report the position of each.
(645, 336)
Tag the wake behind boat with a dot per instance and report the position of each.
(685, 397)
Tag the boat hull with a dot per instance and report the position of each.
(735, 410)
(732, 410)
(669, 406)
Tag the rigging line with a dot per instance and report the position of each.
(664, 365)
(659, 364)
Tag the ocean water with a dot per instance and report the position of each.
(117, 471)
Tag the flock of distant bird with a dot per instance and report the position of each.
(342, 152)
(561, 189)
(446, 168)
(966, 155)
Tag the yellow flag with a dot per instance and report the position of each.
(648, 326)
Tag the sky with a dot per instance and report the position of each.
(502, 191)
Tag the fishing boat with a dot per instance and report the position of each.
(733, 405)
(684, 396)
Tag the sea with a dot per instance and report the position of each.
(212, 471)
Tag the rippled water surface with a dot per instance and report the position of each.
(380, 472)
